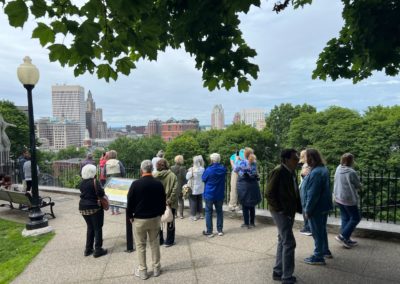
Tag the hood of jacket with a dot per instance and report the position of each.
(161, 174)
(344, 169)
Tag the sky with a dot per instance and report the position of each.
(287, 44)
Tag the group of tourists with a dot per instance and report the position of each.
(313, 198)
(163, 186)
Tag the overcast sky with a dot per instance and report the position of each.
(287, 44)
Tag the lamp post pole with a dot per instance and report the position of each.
(29, 76)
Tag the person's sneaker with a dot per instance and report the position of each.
(193, 218)
(328, 255)
(343, 241)
(352, 243)
(220, 234)
(245, 226)
(142, 274)
(289, 280)
(201, 217)
(156, 272)
(88, 252)
(99, 252)
(168, 245)
(313, 260)
(276, 276)
(252, 226)
(181, 217)
(209, 235)
(305, 232)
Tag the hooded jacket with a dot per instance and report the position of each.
(346, 186)
(114, 168)
(214, 179)
(170, 183)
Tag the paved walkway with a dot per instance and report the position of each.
(240, 256)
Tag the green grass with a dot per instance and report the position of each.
(16, 251)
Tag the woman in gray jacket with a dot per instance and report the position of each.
(346, 187)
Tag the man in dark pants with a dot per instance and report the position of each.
(146, 204)
(284, 201)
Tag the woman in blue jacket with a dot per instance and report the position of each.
(214, 193)
(317, 202)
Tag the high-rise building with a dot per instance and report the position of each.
(153, 127)
(252, 116)
(236, 118)
(69, 105)
(91, 123)
(217, 117)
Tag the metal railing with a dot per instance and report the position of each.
(379, 197)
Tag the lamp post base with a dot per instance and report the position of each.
(36, 219)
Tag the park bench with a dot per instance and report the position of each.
(24, 201)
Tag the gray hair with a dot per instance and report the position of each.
(160, 154)
(146, 166)
(89, 171)
(179, 160)
(198, 161)
(112, 154)
(215, 158)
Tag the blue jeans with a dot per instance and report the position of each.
(350, 218)
(318, 228)
(209, 212)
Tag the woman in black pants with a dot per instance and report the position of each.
(91, 211)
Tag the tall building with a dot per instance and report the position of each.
(91, 123)
(252, 116)
(58, 134)
(172, 127)
(217, 117)
(236, 118)
(69, 105)
(153, 127)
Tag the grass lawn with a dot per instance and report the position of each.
(16, 251)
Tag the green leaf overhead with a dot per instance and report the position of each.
(112, 35)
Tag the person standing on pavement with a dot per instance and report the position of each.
(91, 211)
(170, 182)
(102, 164)
(283, 198)
(146, 203)
(233, 195)
(345, 191)
(305, 170)
(214, 193)
(316, 200)
(88, 161)
(180, 171)
(193, 177)
(113, 168)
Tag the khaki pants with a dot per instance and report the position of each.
(233, 198)
(147, 228)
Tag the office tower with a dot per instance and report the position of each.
(69, 105)
(252, 116)
(236, 118)
(153, 127)
(217, 117)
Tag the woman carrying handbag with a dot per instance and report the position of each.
(92, 212)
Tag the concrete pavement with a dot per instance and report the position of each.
(240, 256)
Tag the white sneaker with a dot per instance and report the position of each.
(220, 234)
(142, 274)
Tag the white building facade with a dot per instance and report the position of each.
(217, 117)
(253, 117)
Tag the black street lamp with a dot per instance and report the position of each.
(28, 75)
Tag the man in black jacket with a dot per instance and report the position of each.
(284, 201)
(146, 204)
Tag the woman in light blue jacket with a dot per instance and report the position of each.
(345, 191)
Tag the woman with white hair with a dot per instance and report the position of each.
(91, 211)
(214, 193)
(193, 176)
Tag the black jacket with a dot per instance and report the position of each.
(88, 194)
(146, 198)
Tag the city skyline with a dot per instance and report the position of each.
(287, 44)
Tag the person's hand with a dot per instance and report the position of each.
(131, 219)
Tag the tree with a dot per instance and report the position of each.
(367, 42)
(280, 118)
(71, 152)
(112, 35)
(19, 135)
(182, 145)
